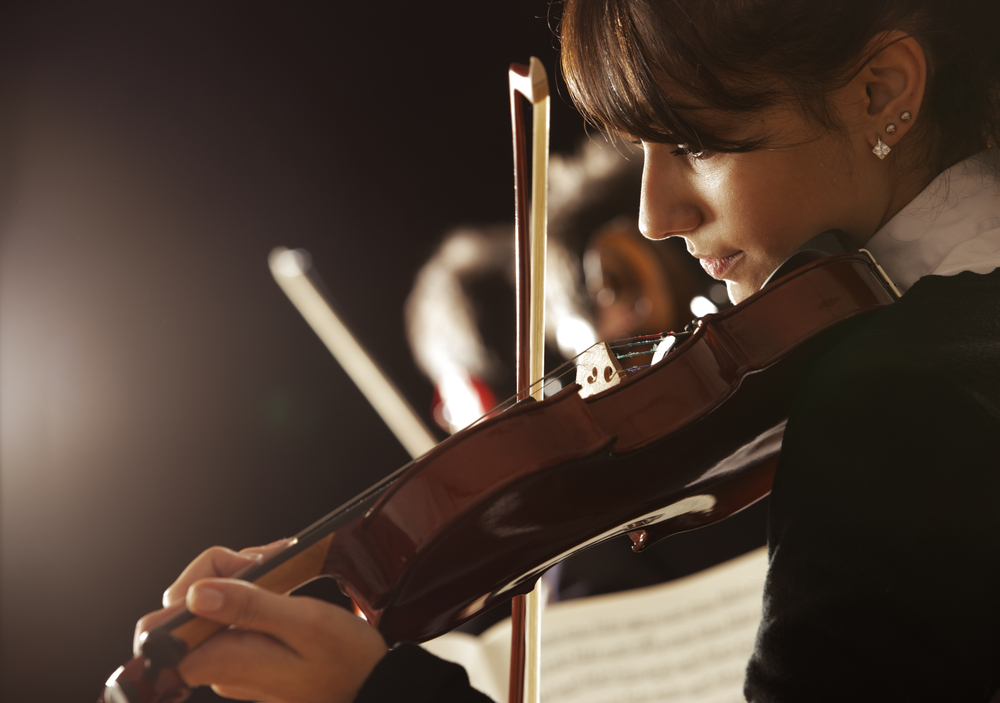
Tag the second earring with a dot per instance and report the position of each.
(881, 149)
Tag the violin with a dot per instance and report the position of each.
(645, 450)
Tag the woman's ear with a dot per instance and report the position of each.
(894, 81)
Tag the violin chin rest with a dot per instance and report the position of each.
(829, 243)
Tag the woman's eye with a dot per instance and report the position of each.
(685, 150)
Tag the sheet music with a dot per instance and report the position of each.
(684, 641)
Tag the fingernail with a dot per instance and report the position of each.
(258, 552)
(279, 542)
(204, 599)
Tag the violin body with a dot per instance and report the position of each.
(686, 442)
(683, 443)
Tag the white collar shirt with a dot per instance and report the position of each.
(952, 226)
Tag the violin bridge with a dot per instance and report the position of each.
(597, 369)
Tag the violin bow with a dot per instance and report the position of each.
(531, 83)
(291, 270)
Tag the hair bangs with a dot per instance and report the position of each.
(643, 84)
(608, 74)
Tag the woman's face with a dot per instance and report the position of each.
(743, 214)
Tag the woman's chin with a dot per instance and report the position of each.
(738, 291)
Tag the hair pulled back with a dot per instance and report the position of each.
(631, 66)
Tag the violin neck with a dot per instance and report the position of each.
(302, 559)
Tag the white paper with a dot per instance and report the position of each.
(686, 641)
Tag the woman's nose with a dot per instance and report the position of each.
(667, 206)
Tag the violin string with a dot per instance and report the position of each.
(637, 341)
(647, 343)
(655, 336)
(645, 352)
(649, 347)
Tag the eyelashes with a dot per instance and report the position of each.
(685, 150)
(681, 150)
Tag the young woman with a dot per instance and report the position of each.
(764, 123)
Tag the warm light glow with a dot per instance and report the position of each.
(574, 335)
(460, 401)
(663, 347)
(701, 306)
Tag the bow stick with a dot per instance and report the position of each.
(531, 83)
(291, 270)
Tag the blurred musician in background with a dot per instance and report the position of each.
(604, 281)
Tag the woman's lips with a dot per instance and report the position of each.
(717, 268)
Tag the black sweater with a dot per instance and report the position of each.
(884, 533)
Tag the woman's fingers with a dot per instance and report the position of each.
(243, 605)
(265, 549)
(149, 621)
(275, 648)
(279, 648)
(236, 694)
(217, 561)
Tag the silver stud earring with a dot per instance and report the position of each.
(905, 117)
(890, 128)
(880, 149)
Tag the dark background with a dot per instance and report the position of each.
(158, 392)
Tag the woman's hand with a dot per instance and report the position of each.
(293, 650)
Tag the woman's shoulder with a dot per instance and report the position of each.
(944, 331)
(883, 505)
(902, 397)
(902, 389)
(899, 417)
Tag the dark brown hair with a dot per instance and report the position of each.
(631, 66)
